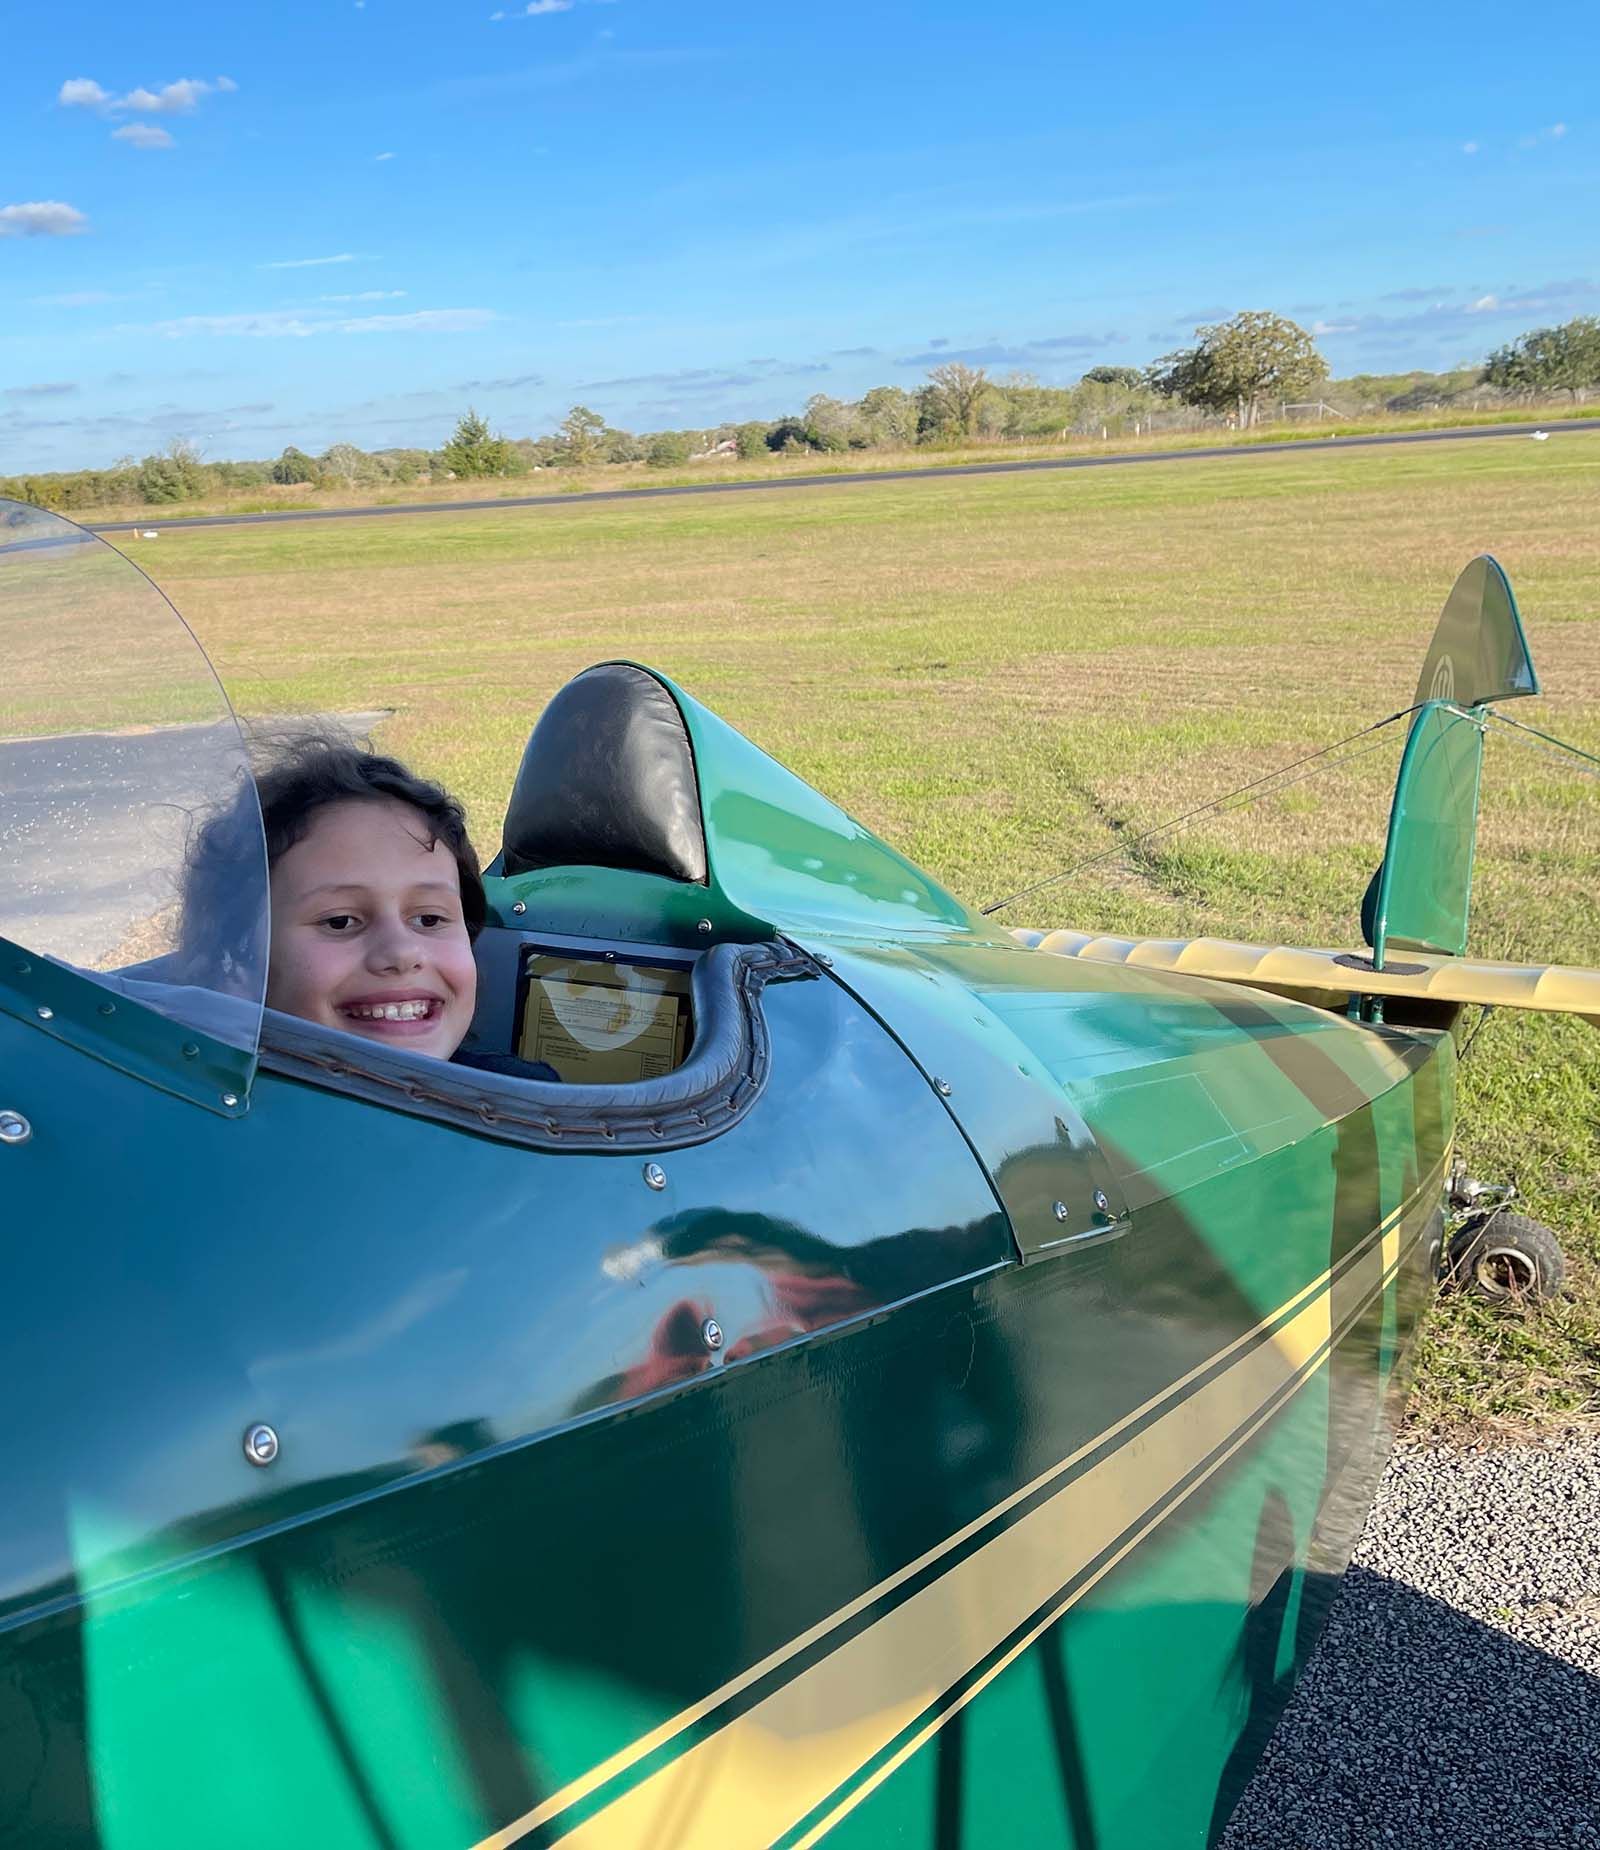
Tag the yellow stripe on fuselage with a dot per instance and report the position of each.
(768, 1768)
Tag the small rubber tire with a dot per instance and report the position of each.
(1510, 1259)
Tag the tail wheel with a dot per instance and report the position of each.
(1510, 1259)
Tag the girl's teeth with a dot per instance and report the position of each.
(391, 1011)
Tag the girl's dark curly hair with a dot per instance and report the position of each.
(222, 919)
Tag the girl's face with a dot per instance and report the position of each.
(367, 929)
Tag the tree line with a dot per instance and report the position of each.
(1233, 373)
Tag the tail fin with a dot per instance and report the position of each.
(1418, 898)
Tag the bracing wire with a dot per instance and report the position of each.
(1589, 768)
(1249, 793)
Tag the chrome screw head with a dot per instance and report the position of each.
(1060, 1210)
(711, 1333)
(230, 1099)
(942, 1087)
(14, 1128)
(261, 1445)
(45, 1014)
(655, 1176)
(519, 906)
(703, 925)
(1101, 1202)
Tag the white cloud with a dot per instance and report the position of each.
(1469, 147)
(82, 93)
(41, 218)
(383, 157)
(1333, 327)
(366, 295)
(1557, 130)
(142, 135)
(178, 98)
(535, 8)
(313, 263)
(295, 324)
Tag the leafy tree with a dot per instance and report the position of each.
(951, 400)
(1128, 376)
(347, 464)
(1237, 363)
(890, 416)
(474, 450)
(294, 466)
(750, 440)
(831, 424)
(1561, 359)
(581, 436)
(175, 475)
(789, 435)
(667, 449)
(620, 446)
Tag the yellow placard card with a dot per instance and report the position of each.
(604, 1024)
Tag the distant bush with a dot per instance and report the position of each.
(294, 466)
(667, 450)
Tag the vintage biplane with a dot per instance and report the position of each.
(902, 1386)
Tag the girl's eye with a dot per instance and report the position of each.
(431, 921)
(340, 921)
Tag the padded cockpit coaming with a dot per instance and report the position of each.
(608, 780)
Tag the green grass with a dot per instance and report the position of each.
(1000, 674)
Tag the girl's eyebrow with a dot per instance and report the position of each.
(357, 886)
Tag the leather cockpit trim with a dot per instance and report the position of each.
(715, 1087)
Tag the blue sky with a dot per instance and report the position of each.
(255, 226)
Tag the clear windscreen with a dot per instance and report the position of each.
(131, 843)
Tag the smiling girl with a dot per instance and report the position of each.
(376, 896)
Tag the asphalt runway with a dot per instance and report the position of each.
(859, 478)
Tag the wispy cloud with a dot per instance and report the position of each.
(366, 295)
(389, 156)
(55, 388)
(143, 135)
(518, 383)
(42, 218)
(1565, 296)
(1043, 352)
(535, 9)
(1469, 147)
(293, 324)
(315, 263)
(698, 379)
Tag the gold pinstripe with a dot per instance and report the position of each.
(775, 1763)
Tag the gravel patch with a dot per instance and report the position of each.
(1454, 1700)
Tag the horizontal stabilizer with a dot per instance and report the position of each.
(1328, 977)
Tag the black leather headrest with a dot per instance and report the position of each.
(608, 781)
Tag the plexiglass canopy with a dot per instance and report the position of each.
(131, 844)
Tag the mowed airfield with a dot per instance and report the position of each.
(1007, 675)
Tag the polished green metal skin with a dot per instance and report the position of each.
(954, 1444)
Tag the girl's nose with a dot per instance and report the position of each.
(391, 948)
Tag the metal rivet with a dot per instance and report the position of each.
(711, 1333)
(46, 1014)
(14, 1128)
(942, 1087)
(654, 1176)
(108, 1008)
(1101, 1202)
(520, 906)
(1061, 1210)
(702, 925)
(230, 1099)
(191, 1051)
(825, 960)
(261, 1445)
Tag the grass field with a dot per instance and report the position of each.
(1002, 674)
(561, 480)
